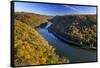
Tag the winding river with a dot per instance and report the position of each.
(73, 53)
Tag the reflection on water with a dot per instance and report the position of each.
(73, 53)
(48, 24)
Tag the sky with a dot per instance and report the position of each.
(53, 9)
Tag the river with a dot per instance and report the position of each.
(73, 53)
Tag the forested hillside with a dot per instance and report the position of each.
(78, 28)
(32, 19)
(30, 48)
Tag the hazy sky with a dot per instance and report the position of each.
(53, 9)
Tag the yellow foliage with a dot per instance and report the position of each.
(30, 48)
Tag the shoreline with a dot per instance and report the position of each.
(71, 42)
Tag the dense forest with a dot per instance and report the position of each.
(76, 28)
(30, 48)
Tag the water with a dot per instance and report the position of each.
(73, 53)
(48, 24)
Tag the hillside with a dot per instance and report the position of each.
(31, 19)
(77, 28)
(30, 48)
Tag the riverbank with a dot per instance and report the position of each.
(63, 49)
(72, 42)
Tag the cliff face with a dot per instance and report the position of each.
(77, 28)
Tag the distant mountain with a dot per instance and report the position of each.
(31, 18)
(78, 28)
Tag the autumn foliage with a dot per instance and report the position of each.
(30, 48)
